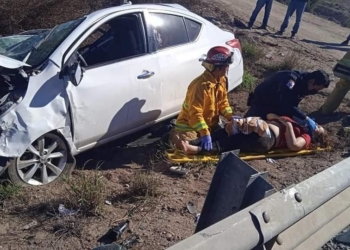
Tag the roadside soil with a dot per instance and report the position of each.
(164, 220)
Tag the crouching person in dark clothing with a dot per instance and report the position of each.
(254, 135)
(282, 92)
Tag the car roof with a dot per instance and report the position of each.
(163, 6)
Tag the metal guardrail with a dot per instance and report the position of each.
(303, 216)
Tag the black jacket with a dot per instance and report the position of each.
(278, 94)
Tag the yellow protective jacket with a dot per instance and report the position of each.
(342, 68)
(205, 100)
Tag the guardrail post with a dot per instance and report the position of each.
(235, 186)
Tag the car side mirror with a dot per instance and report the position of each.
(75, 73)
(73, 70)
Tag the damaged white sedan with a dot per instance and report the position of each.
(95, 79)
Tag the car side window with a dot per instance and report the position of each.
(119, 39)
(168, 30)
(193, 29)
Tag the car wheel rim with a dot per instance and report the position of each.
(43, 161)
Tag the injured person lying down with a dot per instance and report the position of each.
(254, 135)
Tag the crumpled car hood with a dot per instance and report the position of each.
(9, 63)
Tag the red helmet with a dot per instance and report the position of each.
(219, 55)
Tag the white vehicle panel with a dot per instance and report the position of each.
(111, 100)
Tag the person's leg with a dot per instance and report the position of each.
(268, 8)
(176, 137)
(289, 13)
(346, 42)
(300, 8)
(336, 97)
(259, 5)
(251, 143)
(194, 146)
(189, 149)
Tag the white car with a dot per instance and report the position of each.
(98, 78)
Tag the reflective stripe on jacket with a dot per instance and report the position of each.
(342, 68)
(205, 100)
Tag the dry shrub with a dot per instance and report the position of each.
(248, 82)
(145, 184)
(8, 191)
(20, 15)
(86, 192)
(66, 227)
(251, 52)
(291, 61)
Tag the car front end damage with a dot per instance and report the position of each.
(32, 104)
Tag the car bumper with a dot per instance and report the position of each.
(235, 75)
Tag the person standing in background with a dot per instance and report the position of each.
(259, 5)
(297, 6)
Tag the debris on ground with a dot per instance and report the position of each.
(114, 233)
(131, 241)
(169, 236)
(179, 170)
(32, 224)
(196, 219)
(270, 160)
(66, 212)
(112, 246)
(191, 208)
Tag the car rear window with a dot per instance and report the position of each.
(193, 29)
(168, 30)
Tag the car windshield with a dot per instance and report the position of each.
(38, 46)
(6, 43)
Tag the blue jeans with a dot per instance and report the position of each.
(259, 5)
(299, 7)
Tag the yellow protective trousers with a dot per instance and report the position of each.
(336, 97)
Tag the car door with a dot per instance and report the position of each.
(178, 52)
(119, 82)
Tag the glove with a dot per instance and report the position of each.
(311, 125)
(206, 143)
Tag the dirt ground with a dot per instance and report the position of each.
(162, 221)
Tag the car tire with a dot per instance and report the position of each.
(46, 161)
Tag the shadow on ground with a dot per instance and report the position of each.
(325, 45)
(325, 119)
(140, 148)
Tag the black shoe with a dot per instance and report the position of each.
(280, 33)
(292, 36)
(346, 42)
(262, 27)
(249, 27)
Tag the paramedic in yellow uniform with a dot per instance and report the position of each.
(205, 100)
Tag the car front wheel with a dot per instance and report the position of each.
(44, 162)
